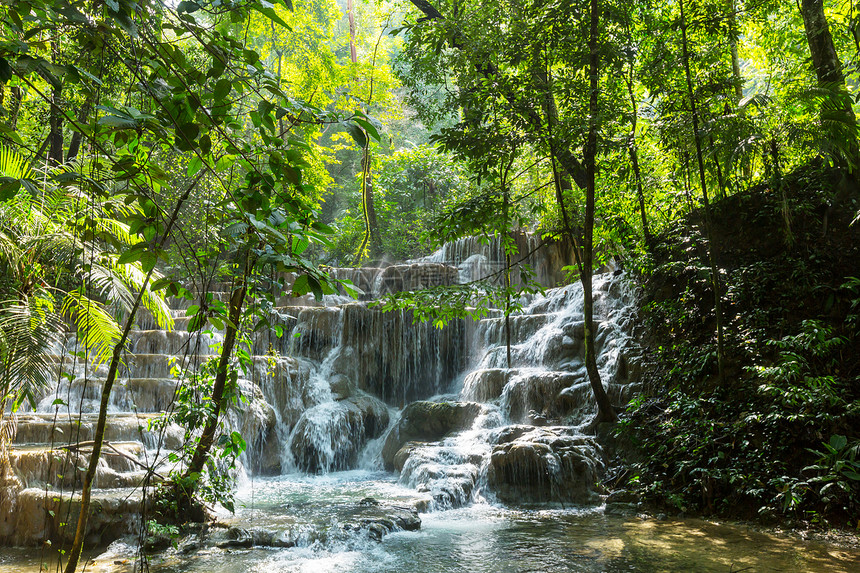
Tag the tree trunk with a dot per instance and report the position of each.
(828, 70)
(371, 241)
(605, 411)
(16, 95)
(350, 8)
(715, 276)
(733, 50)
(207, 437)
(75, 143)
(98, 439)
(505, 217)
(634, 156)
(55, 151)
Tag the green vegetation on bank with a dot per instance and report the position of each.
(152, 149)
(777, 438)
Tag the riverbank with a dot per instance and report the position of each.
(775, 440)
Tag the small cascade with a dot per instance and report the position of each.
(519, 437)
(337, 385)
(479, 258)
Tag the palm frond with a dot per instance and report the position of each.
(122, 283)
(29, 329)
(14, 169)
(96, 328)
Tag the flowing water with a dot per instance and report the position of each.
(362, 425)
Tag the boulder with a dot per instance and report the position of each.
(328, 437)
(535, 465)
(428, 422)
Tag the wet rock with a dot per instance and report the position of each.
(414, 276)
(329, 436)
(620, 509)
(428, 422)
(157, 542)
(397, 359)
(623, 496)
(545, 465)
(540, 394)
(341, 387)
(319, 330)
(403, 454)
(38, 516)
(486, 384)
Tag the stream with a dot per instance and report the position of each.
(376, 444)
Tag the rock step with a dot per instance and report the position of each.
(122, 464)
(43, 428)
(38, 515)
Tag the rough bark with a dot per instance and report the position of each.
(207, 437)
(75, 143)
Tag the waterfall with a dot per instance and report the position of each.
(348, 385)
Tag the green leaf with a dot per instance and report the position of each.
(9, 187)
(161, 284)
(132, 255)
(268, 10)
(300, 286)
(838, 441)
(357, 134)
(368, 127)
(222, 89)
(194, 166)
(5, 71)
(187, 7)
(316, 287)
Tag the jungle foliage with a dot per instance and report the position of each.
(152, 149)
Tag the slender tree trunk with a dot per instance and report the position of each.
(715, 277)
(16, 95)
(686, 179)
(98, 439)
(828, 70)
(721, 183)
(733, 50)
(350, 8)
(371, 241)
(367, 170)
(634, 156)
(55, 151)
(605, 411)
(75, 143)
(561, 182)
(505, 217)
(207, 437)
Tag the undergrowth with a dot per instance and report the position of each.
(778, 438)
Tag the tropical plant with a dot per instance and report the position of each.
(49, 236)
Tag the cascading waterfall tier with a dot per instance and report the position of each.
(348, 385)
(518, 434)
